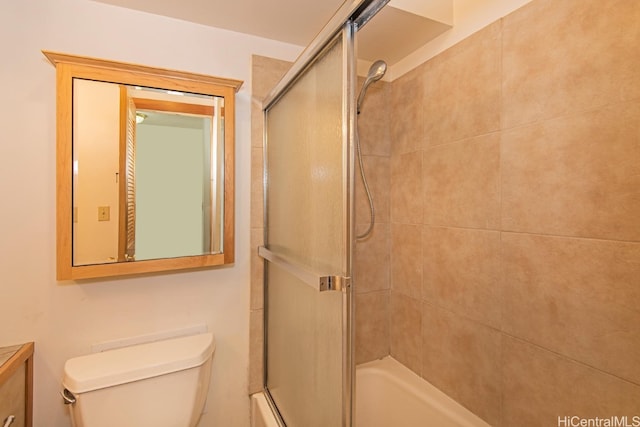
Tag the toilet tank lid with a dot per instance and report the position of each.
(137, 362)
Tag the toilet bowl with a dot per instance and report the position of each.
(158, 384)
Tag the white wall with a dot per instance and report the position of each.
(65, 318)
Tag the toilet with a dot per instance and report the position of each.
(157, 384)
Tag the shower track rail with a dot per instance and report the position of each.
(317, 281)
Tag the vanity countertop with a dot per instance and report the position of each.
(7, 352)
(11, 357)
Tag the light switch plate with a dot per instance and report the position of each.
(104, 213)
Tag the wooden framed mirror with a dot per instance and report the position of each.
(145, 168)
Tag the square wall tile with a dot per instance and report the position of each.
(377, 172)
(371, 259)
(462, 272)
(406, 188)
(406, 331)
(577, 175)
(569, 56)
(374, 120)
(576, 297)
(541, 388)
(462, 89)
(406, 259)
(265, 74)
(372, 326)
(257, 188)
(256, 351)
(257, 269)
(463, 359)
(257, 123)
(407, 117)
(462, 183)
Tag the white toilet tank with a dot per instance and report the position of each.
(158, 384)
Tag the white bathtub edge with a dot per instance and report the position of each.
(261, 415)
(409, 380)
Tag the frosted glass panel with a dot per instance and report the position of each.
(305, 168)
(306, 225)
(304, 362)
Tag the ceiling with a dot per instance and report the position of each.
(391, 35)
(290, 21)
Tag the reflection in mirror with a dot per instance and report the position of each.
(148, 169)
(145, 168)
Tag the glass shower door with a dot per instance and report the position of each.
(307, 250)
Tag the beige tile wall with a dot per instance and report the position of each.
(515, 215)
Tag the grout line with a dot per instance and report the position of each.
(371, 291)
(435, 304)
(462, 140)
(500, 281)
(529, 233)
(560, 236)
(461, 228)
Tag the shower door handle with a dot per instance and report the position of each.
(319, 282)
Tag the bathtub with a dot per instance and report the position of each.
(388, 395)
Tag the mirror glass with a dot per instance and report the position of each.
(148, 168)
(144, 168)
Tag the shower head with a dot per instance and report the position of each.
(376, 72)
